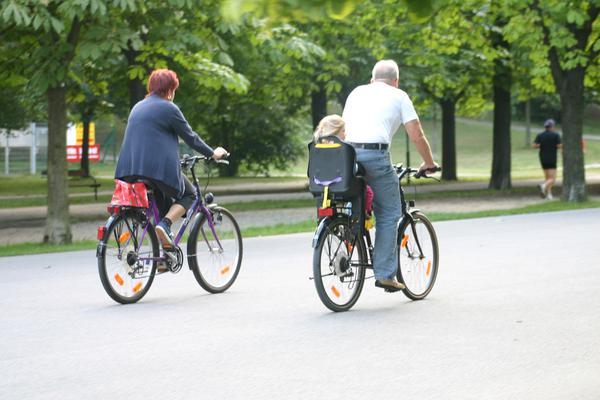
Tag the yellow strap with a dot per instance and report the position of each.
(327, 145)
(326, 201)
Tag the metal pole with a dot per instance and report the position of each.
(6, 155)
(407, 157)
(527, 123)
(33, 149)
(434, 129)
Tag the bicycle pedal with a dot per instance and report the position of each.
(392, 290)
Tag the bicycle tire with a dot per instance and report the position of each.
(418, 271)
(128, 278)
(225, 254)
(335, 266)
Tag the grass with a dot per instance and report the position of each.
(474, 149)
(474, 157)
(43, 248)
(308, 226)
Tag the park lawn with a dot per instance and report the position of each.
(474, 150)
(474, 158)
(28, 185)
(309, 226)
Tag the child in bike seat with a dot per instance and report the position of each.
(333, 125)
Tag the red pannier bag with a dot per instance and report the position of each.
(130, 194)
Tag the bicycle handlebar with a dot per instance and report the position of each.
(190, 161)
(416, 173)
(423, 173)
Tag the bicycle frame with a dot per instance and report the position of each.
(198, 206)
(405, 219)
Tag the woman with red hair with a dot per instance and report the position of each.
(150, 149)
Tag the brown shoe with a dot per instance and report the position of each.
(390, 285)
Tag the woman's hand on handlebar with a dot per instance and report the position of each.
(220, 153)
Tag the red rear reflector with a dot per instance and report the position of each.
(101, 230)
(113, 209)
(325, 212)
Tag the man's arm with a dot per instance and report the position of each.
(417, 136)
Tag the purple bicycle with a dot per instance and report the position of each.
(129, 253)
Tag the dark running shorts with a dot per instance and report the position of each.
(548, 164)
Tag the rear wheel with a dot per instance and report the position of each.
(339, 266)
(127, 256)
(418, 257)
(215, 256)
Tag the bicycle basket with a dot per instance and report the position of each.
(332, 163)
(130, 194)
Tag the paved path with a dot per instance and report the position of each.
(19, 231)
(514, 315)
(26, 224)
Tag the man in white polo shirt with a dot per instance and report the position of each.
(373, 113)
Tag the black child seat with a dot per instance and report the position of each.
(332, 165)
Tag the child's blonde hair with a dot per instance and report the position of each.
(331, 125)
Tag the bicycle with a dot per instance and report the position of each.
(128, 248)
(343, 250)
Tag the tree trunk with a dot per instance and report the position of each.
(500, 178)
(227, 132)
(137, 90)
(58, 229)
(318, 105)
(571, 99)
(85, 148)
(448, 139)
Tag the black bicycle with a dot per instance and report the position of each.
(343, 251)
(129, 253)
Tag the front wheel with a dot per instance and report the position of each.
(418, 256)
(339, 263)
(127, 256)
(215, 250)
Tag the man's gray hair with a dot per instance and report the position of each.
(385, 70)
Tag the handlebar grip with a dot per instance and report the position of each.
(423, 173)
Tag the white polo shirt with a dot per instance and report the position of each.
(374, 112)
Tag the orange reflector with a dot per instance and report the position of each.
(124, 237)
(137, 287)
(428, 268)
(349, 247)
(404, 241)
(225, 270)
(119, 279)
(335, 291)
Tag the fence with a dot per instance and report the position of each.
(25, 151)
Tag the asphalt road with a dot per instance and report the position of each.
(514, 315)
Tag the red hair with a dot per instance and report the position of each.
(162, 81)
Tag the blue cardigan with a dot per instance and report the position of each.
(150, 148)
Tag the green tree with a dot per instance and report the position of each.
(450, 59)
(40, 42)
(262, 127)
(563, 41)
(303, 10)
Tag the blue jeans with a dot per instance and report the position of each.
(382, 178)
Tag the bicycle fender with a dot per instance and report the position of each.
(405, 220)
(107, 225)
(195, 221)
(317, 236)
